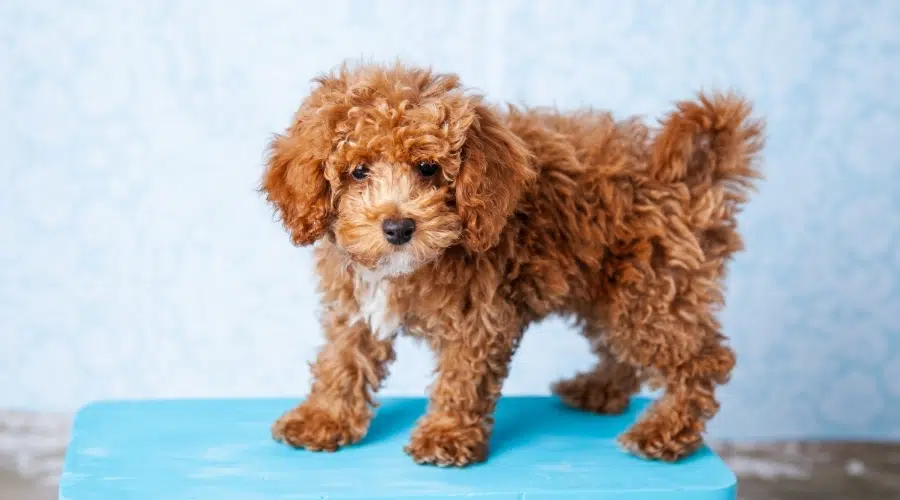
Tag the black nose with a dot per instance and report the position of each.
(398, 231)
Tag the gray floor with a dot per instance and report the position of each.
(32, 446)
(824, 471)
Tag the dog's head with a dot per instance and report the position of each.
(396, 165)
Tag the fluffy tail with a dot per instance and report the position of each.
(711, 145)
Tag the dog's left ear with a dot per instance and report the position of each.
(496, 168)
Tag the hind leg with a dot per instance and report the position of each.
(672, 428)
(664, 324)
(605, 389)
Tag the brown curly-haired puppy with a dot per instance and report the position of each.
(443, 218)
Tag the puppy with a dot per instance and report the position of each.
(440, 217)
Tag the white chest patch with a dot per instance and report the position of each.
(372, 292)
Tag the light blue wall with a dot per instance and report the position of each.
(136, 259)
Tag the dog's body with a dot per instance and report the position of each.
(625, 228)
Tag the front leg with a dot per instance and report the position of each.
(472, 366)
(348, 370)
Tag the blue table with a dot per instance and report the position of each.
(222, 450)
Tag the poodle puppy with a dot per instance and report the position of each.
(439, 216)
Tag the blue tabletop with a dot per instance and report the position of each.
(222, 450)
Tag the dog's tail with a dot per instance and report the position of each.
(711, 144)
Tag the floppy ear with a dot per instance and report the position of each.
(294, 182)
(496, 168)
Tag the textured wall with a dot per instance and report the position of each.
(137, 260)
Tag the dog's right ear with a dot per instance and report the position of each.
(294, 182)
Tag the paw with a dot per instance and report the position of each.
(317, 430)
(590, 394)
(447, 442)
(663, 439)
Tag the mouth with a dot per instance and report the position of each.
(397, 263)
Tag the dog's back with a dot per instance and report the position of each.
(607, 186)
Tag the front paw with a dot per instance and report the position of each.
(316, 429)
(448, 441)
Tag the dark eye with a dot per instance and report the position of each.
(427, 169)
(360, 172)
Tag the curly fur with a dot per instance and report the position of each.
(624, 226)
